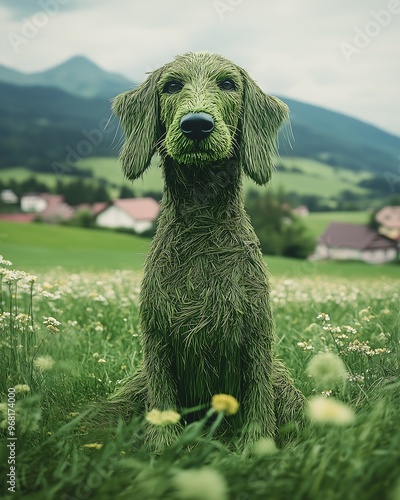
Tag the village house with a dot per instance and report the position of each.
(48, 207)
(344, 241)
(388, 219)
(94, 208)
(138, 214)
(8, 196)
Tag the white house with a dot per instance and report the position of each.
(33, 203)
(8, 196)
(137, 214)
(50, 207)
(344, 241)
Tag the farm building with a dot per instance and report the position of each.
(137, 214)
(388, 219)
(344, 241)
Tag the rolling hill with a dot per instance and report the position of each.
(60, 115)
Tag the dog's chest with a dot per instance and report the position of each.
(204, 290)
(199, 297)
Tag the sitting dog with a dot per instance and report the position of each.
(205, 312)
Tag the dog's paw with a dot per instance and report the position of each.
(251, 433)
(158, 438)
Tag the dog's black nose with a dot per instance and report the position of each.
(197, 126)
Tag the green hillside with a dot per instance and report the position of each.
(312, 177)
(315, 177)
(299, 175)
(308, 177)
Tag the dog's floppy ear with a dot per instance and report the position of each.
(262, 115)
(138, 111)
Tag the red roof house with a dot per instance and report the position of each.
(137, 214)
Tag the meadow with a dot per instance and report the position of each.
(69, 338)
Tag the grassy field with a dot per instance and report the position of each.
(68, 340)
(39, 247)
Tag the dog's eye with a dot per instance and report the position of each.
(173, 87)
(227, 85)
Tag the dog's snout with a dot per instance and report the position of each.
(197, 126)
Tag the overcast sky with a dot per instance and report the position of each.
(338, 54)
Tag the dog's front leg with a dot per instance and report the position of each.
(258, 395)
(161, 390)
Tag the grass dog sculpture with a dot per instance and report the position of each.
(205, 313)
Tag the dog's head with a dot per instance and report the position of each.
(200, 109)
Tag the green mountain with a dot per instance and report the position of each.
(41, 125)
(339, 139)
(78, 76)
(60, 115)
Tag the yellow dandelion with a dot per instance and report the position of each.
(170, 417)
(167, 417)
(22, 388)
(101, 360)
(95, 446)
(44, 363)
(154, 417)
(200, 484)
(225, 403)
(330, 411)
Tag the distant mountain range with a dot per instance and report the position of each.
(78, 76)
(55, 114)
